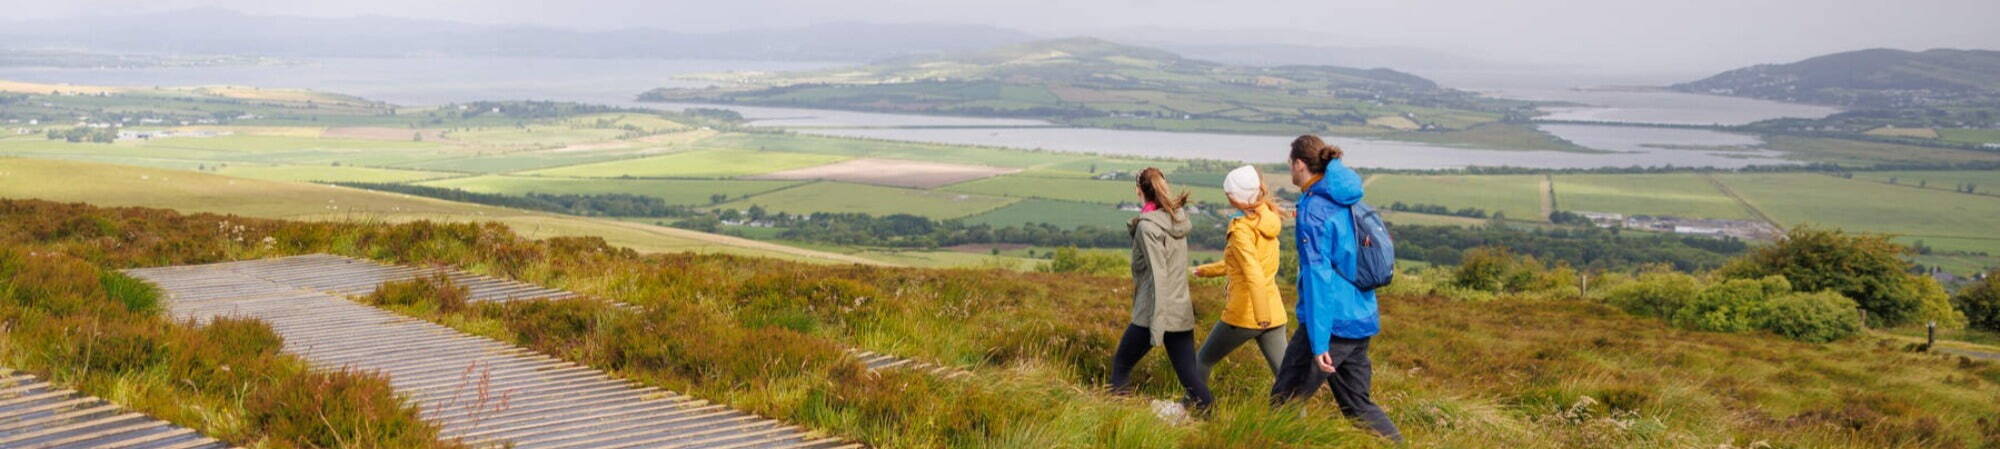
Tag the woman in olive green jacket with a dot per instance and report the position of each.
(1162, 314)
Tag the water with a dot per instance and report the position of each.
(426, 81)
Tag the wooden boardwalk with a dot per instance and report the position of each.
(478, 389)
(36, 414)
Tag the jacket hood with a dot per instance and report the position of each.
(1266, 222)
(1339, 184)
(1177, 229)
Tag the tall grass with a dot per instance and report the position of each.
(1527, 368)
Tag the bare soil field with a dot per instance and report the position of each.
(891, 172)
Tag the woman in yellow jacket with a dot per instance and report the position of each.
(1254, 312)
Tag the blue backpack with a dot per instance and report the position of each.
(1375, 262)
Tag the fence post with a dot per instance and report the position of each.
(1930, 335)
(1864, 318)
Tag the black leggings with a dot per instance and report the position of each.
(1138, 341)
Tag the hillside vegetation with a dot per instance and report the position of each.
(1096, 83)
(1521, 364)
(1878, 78)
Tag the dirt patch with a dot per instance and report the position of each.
(383, 133)
(891, 172)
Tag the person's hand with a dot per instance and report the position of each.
(1325, 362)
(1266, 324)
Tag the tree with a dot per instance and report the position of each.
(1866, 268)
(1980, 303)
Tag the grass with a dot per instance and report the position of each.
(1943, 219)
(1065, 214)
(1986, 182)
(318, 173)
(1854, 152)
(673, 191)
(1071, 189)
(869, 199)
(1517, 372)
(888, 149)
(1970, 135)
(115, 185)
(225, 379)
(1681, 195)
(695, 164)
(1518, 196)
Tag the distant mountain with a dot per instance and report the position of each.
(218, 31)
(1869, 79)
(1094, 82)
(1087, 60)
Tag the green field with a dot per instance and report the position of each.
(874, 200)
(1854, 152)
(1970, 135)
(673, 191)
(327, 173)
(1071, 189)
(1686, 195)
(1986, 182)
(720, 163)
(1518, 196)
(848, 147)
(539, 136)
(1066, 214)
(117, 185)
(1944, 220)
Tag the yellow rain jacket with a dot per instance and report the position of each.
(1251, 262)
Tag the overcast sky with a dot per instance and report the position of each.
(1678, 35)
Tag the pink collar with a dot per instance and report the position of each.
(1150, 206)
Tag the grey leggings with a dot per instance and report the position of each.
(1226, 338)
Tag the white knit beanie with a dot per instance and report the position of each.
(1243, 184)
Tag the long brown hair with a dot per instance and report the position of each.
(1314, 152)
(1153, 185)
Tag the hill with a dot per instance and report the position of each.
(1098, 83)
(1873, 79)
(1508, 371)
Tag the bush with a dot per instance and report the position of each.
(1495, 269)
(1656, 294)
(437, 292)
(1980, 303)
(1868, 268)
(1071, 260)
(1812, 317)
(1731, 306)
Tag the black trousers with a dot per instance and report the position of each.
(1299, 377)
(1138, 340)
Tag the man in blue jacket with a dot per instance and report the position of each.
(1336, 318)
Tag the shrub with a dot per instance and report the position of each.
(1495, 269)
(1655, 294)
(1071, 260)
(1731, 306)
(437, 292)
(1868, 268)
(1980, 303)
(1813, 317)
(369, 414)
(136, 295)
